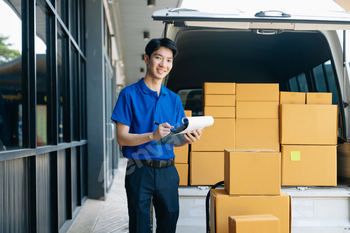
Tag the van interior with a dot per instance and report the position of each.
(298, 61)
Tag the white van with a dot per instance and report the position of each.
(298, 44)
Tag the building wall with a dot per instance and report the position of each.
(53, 118)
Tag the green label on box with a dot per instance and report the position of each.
(295, 156)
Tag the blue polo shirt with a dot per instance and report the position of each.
(139, 107)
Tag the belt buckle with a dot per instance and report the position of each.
(156, 164)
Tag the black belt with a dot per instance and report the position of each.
(156, 163)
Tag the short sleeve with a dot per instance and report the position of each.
(122, 111)
(180, 112)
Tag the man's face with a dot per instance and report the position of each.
(160, 63)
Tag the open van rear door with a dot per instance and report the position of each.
(271, 19)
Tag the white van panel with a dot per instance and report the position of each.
(335, 43)
(232, 25)
(321, 210)
(313, 210)
(259, 25)
(320, 27)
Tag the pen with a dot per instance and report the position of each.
(165, 127)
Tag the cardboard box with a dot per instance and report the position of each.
(219, 88)
(222, 206)
(309, 165)
(292, 97)
(257, 92)
(188, 113)
(252, 172)
(182, 169)
(181, 154)
(264, 223)
(319, 98)
(345, 4)
(343, 160)
(206, 168)
(257, 134)
(217, 137)
(220, 100)
(308, 124)
(257, 110)
(220, 112)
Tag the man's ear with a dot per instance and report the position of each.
(146, 58)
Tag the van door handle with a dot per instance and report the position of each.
(267, 31)
(263, 14)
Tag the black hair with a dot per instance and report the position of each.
(156, 43)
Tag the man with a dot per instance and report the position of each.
(150, 170)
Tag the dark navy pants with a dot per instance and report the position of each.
(144, 182)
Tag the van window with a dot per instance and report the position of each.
(331, 81)
(323, 77)
(319, 79)
(302, 83)
(192, 99)
(293, 85)
(298, 83)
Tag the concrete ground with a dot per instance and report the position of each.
(105, 216)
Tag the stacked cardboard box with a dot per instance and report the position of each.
(308, 136)
(223, 205)
(207, 154)
(181, 159)
(257, 116)
(287, 97)
(252, 186)
(319, 98)
(252, 171)
(266, 223)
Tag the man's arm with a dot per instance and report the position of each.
(130, 139)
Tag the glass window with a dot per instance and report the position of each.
(10, 75)
(74, 19)
(42, 75)
(75, 94)
(107, 40)
(301, 79)
(62, 72)
(192, 99)
(62, 8)
(82, 26)
(331, 81)
(293, 85)
(319, 78)
(83, 100)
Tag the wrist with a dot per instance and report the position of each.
(151, 137)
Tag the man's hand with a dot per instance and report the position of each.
(162, 130)
(192, 138)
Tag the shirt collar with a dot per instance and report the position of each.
(147, 90)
